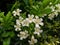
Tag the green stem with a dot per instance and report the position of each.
(14, 5)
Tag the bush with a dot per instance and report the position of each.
(30, 22)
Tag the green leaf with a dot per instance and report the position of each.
(45, 2)
(8, 34)
(56, 1)
(8, 21)
(47, 11)
(8, 16)
(6, 41)
(23, 15)
(31, 2)
(1, 19)
(26, 2)
(2, 14)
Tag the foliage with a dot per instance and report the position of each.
(6, 27)
(36, 23)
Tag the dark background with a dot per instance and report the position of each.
(5, 5)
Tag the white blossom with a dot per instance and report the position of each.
(33, 41)
(58, 7)
(50, 3)
(56, 13)
(57, 41)
(17, 12)
(23, 35)
(55, 10)
(18, 24)
(37, 31)
(52, 8)
(25, 23)
(19, 21)
(20, 18)
(17, 27)
(52, 15)
(38, 21)
(30, 18)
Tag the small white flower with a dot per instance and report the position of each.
(33, 41)
(17, 27)
(51, 16)
(37, 31)
(30, 18)
(23, 35)
(50, 3)
(17, 12)
(25, 23)
(37, 25)
(52, 8)
(57, 42)
(18, 22)
(58, 7)
(20, 18)
(38, 21)
(56, 13)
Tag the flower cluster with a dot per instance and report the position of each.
(55, 9)
(21, 22)
(38, 22)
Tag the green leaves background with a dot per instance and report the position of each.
(51, 28)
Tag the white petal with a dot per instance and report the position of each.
(37, 25)
(35, 40)
(41, 19)
(41, 31)
(21, 38)
(41, 23)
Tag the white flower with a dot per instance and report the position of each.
(37, 25)
(23, 35)
(19, 21)
(50, 3)
(18, 24)
(20, 18)
(51, 16)
(38, 21)
(58, 7)
(33, 41)
(30, 18)
(17, 12)
(52, 8)
(57, 42)
(25, 23)
(37, 31)
(56, 13)
(17, 27)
